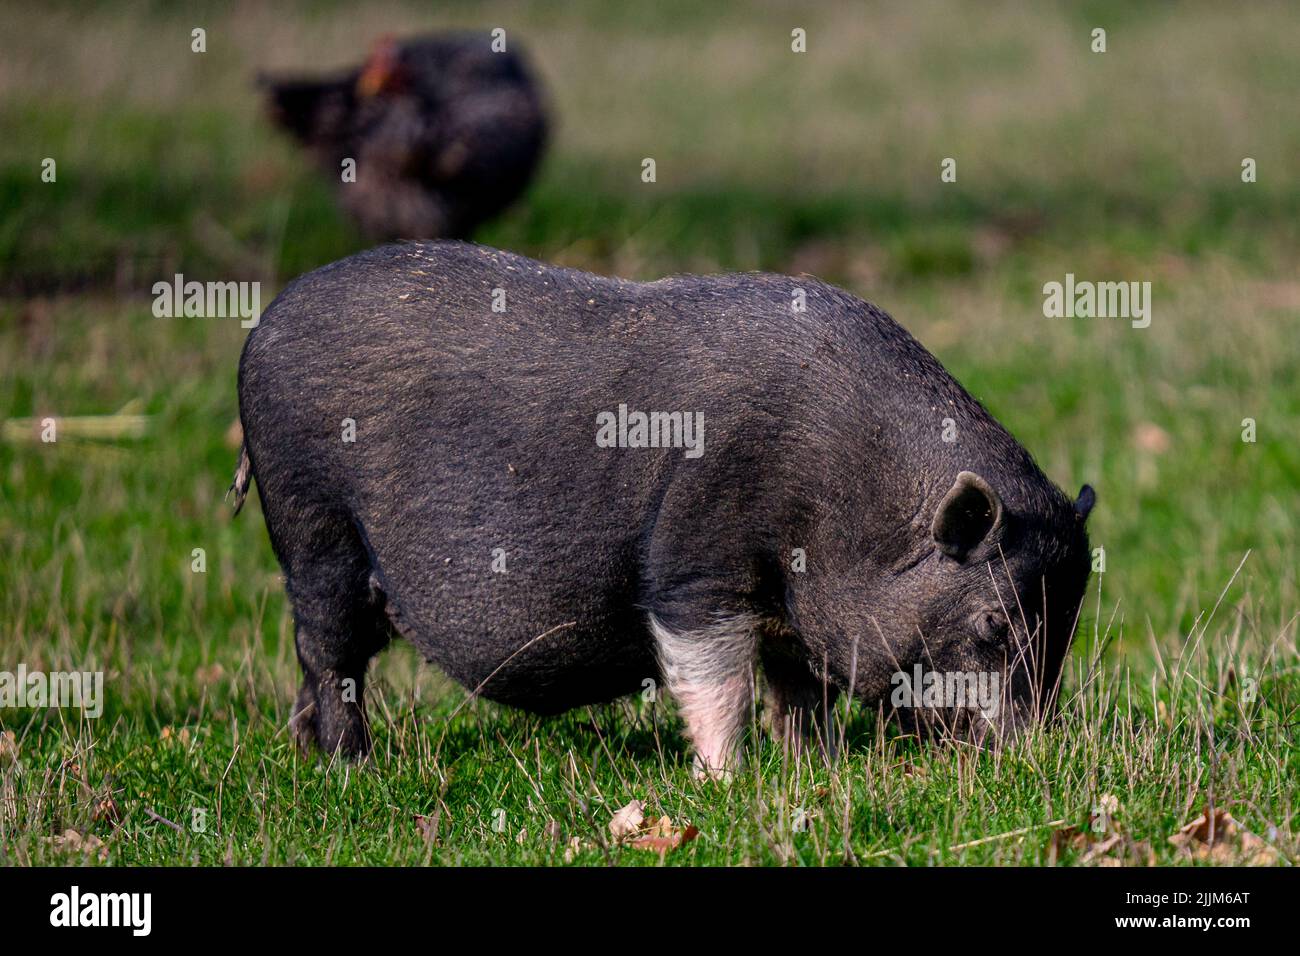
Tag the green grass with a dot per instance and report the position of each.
(1183, 689)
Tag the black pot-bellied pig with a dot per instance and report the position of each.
(558, 486)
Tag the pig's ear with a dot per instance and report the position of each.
(1083, 506)
(968, 512)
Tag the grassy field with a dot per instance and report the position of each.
(1184, 686)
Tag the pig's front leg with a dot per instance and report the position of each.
(709, 670)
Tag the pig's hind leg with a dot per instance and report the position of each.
(335, 644)
(339, 623)
(709, 670)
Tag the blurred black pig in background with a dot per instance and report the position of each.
(445, 131)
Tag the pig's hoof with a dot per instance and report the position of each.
(347, 738)
(332, 725)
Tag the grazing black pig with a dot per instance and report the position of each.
(558, 485)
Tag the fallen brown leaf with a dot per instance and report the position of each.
(1219, 838)
(1119, 849)
(662, 836)
(1111, 847)
(627, 820)
(73, 841)
(628, 827)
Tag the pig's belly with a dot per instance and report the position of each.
(512, 657)
(543, 624)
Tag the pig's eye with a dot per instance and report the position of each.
(991, 625)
